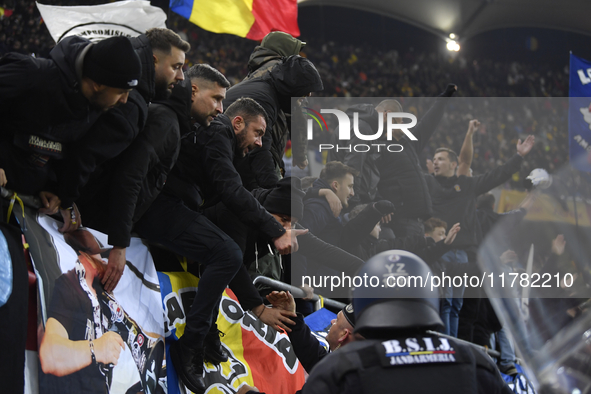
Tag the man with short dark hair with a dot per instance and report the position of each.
(182, 219)
(162, 53)
(294, 76)
(454, 201)
(318, 216)
(198, 97)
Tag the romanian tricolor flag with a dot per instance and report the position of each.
(252, 19)
(259, 355)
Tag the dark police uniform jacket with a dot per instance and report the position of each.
(412, 364)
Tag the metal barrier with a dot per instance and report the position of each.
(297, 292)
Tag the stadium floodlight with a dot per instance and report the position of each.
(453, 46)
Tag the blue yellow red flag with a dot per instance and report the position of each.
(251, 19)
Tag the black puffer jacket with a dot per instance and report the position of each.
(50, 86)
(61, 112)
(113, 133)
(293, 77)
(130, 183)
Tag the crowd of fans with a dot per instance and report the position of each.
(409, 197)
(349, 71)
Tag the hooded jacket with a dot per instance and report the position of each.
(113, 133)
(130, 183)
(51, 87)
(293, 77)
(261, 61)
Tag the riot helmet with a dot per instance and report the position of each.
(396, 295)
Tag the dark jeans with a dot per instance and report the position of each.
(200, 241)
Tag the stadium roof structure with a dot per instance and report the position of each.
(467, 18)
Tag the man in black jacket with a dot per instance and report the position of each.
(150, 157)
(454, 201)
(66, 94)
(318, 216)
(295, 76)
(203, 176)
(162, 53)
(45, 104)
(396, 176)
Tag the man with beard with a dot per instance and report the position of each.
(46, 103)
(162, 53)
(294, 76)
(180, 219)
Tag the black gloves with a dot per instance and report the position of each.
(449, 90)
(384, 207)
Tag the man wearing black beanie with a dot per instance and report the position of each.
(44, 105)
(110, 66)
(162, 54)
(48, 103)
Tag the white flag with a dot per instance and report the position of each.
(97, 22)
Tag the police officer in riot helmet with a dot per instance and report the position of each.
(394, 312)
